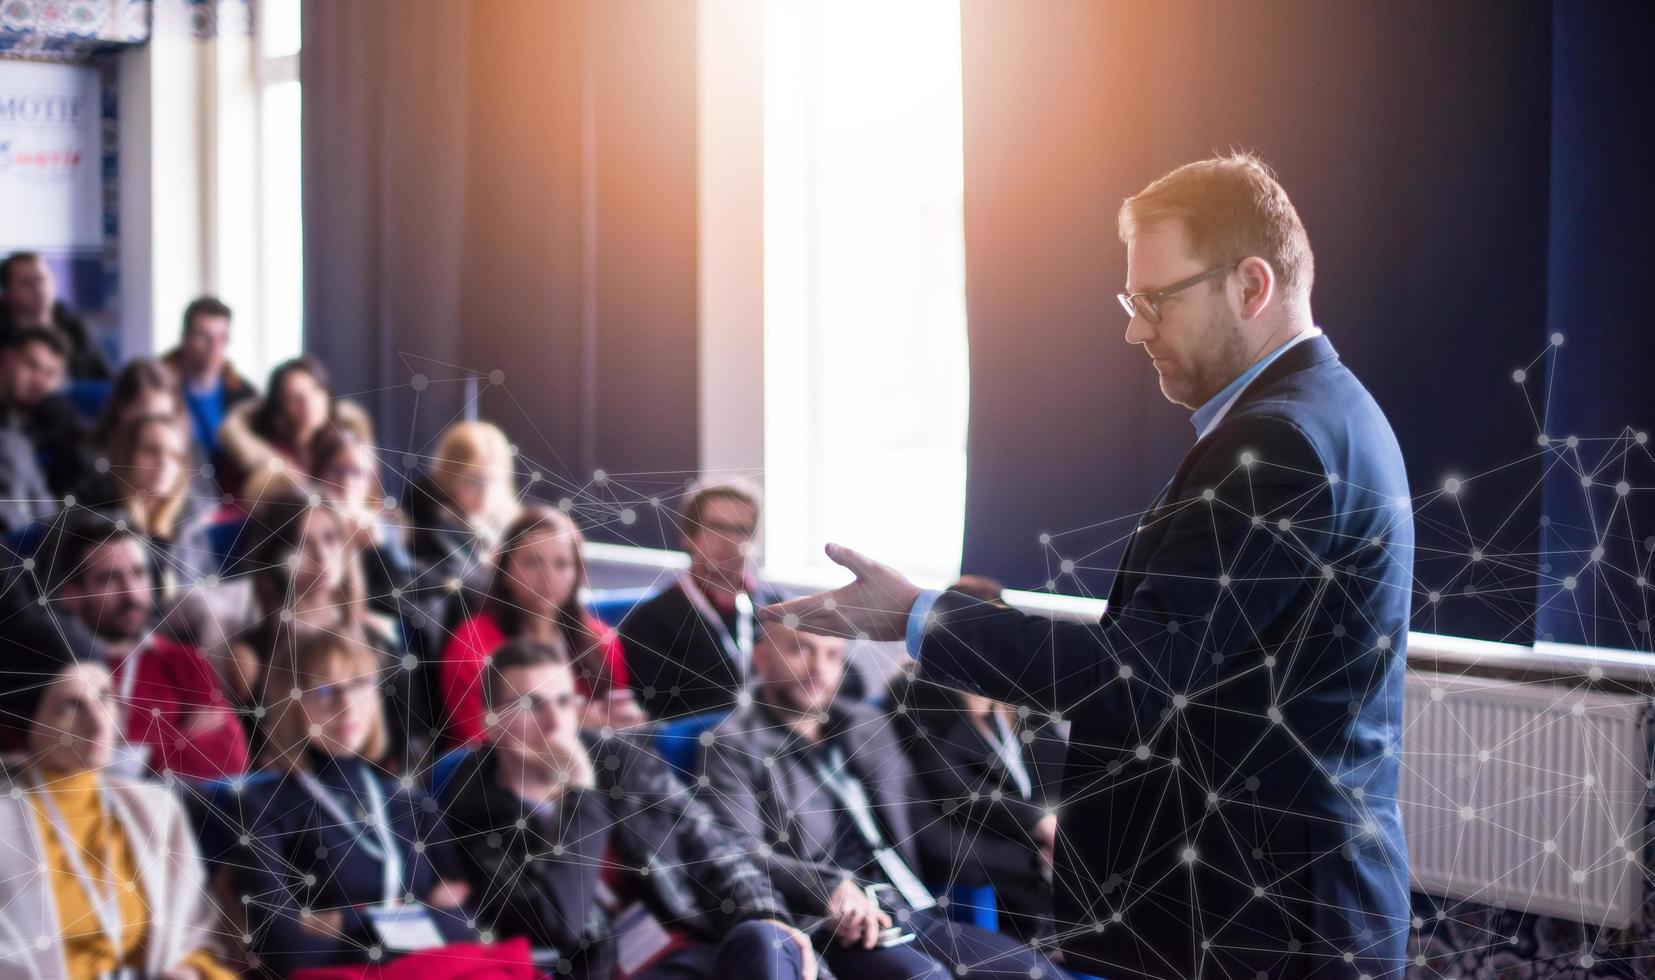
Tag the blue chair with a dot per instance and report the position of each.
(974, 905)
(679, 741)
(89, 396)
(443, 770)
(612, 605)
(226, 541)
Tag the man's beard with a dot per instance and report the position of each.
(1223, 356)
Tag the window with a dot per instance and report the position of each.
(864, 284)
(280, 241)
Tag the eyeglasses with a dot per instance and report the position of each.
(1148, 305)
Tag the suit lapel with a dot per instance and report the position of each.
(1303, 355)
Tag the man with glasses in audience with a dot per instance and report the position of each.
(1230, 792)
(687, 649)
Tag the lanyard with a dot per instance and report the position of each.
(848, 789)
(738, 648)
(385, 851)
(106, 907)
(1011, 756)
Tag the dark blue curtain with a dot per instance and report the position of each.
(1429, 149)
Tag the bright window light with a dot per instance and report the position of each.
(864, 278)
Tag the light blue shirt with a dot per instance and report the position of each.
(1209, 415)
(1205, 419)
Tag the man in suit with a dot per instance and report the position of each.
(1230, 793)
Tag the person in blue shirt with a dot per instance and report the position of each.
(212, 385)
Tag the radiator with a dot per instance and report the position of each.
(1526, 796)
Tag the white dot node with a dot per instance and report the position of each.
(791, 621)
(1569, 582)
(1208, 495)
(1468, 813)
(1519, 375)
(1067, 566)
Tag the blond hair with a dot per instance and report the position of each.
(301, 656)
(478, 451)
(1233, 208)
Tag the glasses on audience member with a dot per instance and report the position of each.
(731, 531)
(538, 704)
(341, 692)
(1148, 304)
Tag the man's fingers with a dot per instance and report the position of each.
(859, 564)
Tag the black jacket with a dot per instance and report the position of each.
(297, 856)
(960, 769)
(676, 663)
(24, 496)
(700, 877)
(1236, 715)
(784, 805)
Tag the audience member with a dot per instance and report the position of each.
(147, 387)
(688, 647)
(535, 594)
(340, 862)
(99, 873)
(24, 494)
(211, 384)
(174, 707)
(28, 298)
(145, 477)
(823, 785)
(624, 831)
(273, 434)
(460, 509)
(31, 395)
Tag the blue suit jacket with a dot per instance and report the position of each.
(1229, 800)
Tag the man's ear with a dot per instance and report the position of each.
(1258, 285)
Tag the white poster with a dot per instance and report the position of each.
(50, 157)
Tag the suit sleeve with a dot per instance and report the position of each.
(1242, 538)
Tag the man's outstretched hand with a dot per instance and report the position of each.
(874, 606)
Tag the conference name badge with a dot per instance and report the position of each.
(404, 928)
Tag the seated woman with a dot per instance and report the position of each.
(346, 477)
(305, 574)
(145, 477)
(341, 862)
(148, 387)
(534, 594)
(273, 434)
(534, 790)
(459, 510)
(103, 867)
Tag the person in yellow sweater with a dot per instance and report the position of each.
(99, 873)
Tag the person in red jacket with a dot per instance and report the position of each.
(172, 703)
(534, 594)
